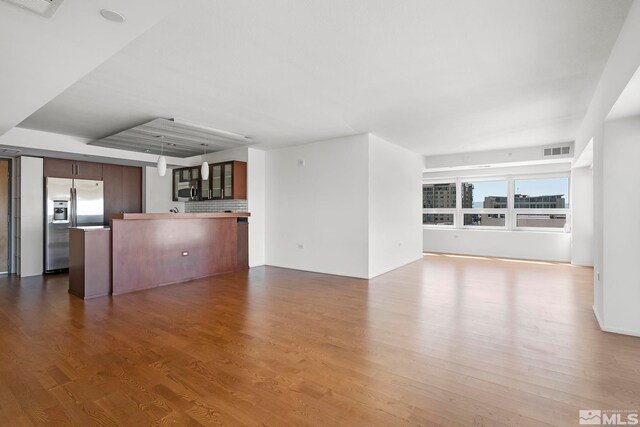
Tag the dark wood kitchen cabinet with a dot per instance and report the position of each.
(132, 189)
(228, 180)
(243, 244)
(122, 190)
(61, 168)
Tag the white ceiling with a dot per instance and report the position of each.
(41, 57)
(432, 75)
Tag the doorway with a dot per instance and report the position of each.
(5, 218)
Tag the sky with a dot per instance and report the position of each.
(530, 187)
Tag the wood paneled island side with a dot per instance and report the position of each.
(150, 250)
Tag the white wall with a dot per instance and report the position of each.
(582, 216)
(531, 245)
(321, 206)
(620, 271)
(348, 206)
(395, 206)
(598, 227)
(502, 158)
(623, 62)
(548, 168)
(157, 197)
(30, 216)
(256, 205)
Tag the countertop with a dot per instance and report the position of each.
(91, 228)
(138, 216)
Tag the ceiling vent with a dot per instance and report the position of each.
(44, 8)
(557, 151)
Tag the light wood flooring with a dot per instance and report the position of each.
(442, 341)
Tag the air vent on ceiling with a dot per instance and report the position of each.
(557, 151)
(44, 8)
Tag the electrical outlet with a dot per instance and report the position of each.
(300, 246)
(301, 162)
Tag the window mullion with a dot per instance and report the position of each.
(457, 221)
(511, 217)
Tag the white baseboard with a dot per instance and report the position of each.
(595, 312)
(614, 330)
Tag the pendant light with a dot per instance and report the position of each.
(204, 170)
(162, 160)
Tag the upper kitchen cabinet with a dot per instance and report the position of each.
(187, 174)
(131, 189)
(187, 184)
(60, 168)
(122, 190)
(228, 180)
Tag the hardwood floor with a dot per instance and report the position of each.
(443, 341)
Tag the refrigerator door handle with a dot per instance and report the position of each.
(74, 207)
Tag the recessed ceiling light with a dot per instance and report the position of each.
(171, 144)
(147, 151)
(112, 15)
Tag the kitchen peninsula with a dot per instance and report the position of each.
(151, 250)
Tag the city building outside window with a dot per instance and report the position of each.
(439, 204)
(484, 203)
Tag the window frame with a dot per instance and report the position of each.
(542, 211)
(510, 212)
(480, 211)
(442, 211)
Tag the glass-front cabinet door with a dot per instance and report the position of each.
(205, 188)
(176, 184)
(228, 181)
(194, 173)
(185, 175)
(216, 181)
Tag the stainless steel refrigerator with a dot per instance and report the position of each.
(70, 203)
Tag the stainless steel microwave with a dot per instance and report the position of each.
(187, 191)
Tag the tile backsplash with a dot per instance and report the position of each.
(216, 206)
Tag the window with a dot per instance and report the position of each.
(541, 220)
(521, 203)
(437, 219)
(484, 203)
(439, 196)
(439, 204)
(541, 203)
(546, 193)
(485, 220)
(484, 195)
